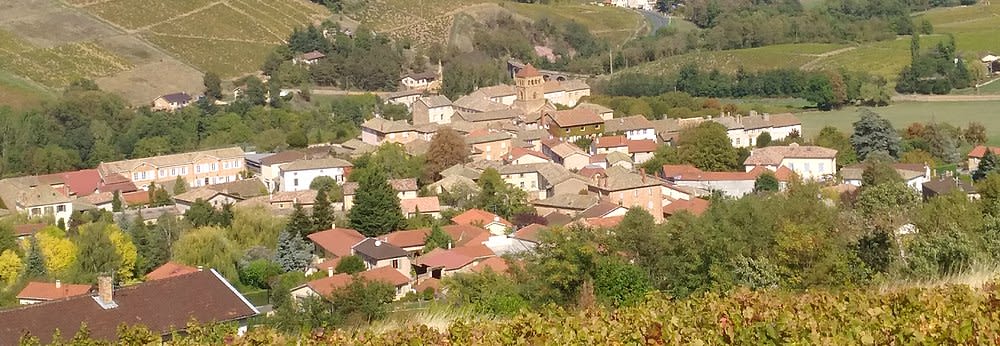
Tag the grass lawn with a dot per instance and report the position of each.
(903, 113)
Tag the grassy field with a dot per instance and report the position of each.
(754, 59)
(903, 113)
(19, 94)
(613, 23)
(229, 37)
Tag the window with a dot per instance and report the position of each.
(49, 210)
(184, 170)
(163, 173)
(395, 264)
(583, 128)
(522, 184)
(173, 172)
(215, 166)
(808, 167)
(135, 176)
(238, 164)
(36, 211)
(635, 193)
(822, 167)
(61, 208)
(295, 182)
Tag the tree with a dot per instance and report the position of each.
(350, 265)
(300, 223)
(363, 300)
(376, 209)
(975, 133)
(116, 202)
(878, 172)
(918, 156)
(255, 226)
(764, 139)
(873, 133)
(59, 253)
(10, 267)
(707, 147)
(126, 250)
(256, 93)
(447, 149)
(766, 182)
(293, 253)
(34, 263)
(322, 182)
(201, 214)
(322, 214)
(988, 164)
(619, 283)
(258, 272)
(437, 238)
(8, 241)
(96, 254)
(152, 247)
(208, 247)
(496, 196)
(213, 86)
(180, 186)
(297, 139)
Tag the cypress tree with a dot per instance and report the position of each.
(299, 223)
(437, 238)
(376, 208)
(322, 213)
(34, 266)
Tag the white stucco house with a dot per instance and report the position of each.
(808, 162)
(298, 175)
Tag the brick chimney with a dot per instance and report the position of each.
(105, 292)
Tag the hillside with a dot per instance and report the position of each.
(138, 48)
(974, 29)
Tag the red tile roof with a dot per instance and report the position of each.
(460, 234)
(477, 217)
(475, 251)
(496, 264)
(48, 291)
(980, 150)
(431, 283)
(168, 270)
(527, 72)
(611, 142)
(529, 232)
(28, 229)
(642, 146)
(327, 285)
(429, 204)
(696, 206)
(136, 198)
(518, 152)
(81, 183)
(161, 306)
(603, 222)
(328, 264)
(337, 241)
(575, 117)
(591, 171)
(447, 259)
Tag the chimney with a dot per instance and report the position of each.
(58, 284)
(105, 292)
(378, 243)
(449, 245)
(200, 268)
(329, 271)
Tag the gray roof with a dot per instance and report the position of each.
(435, 101)
(461, 170)
(387, 126)
(635, 122)
(379, 250)
(27, 192)
(479, 104)
(181, 97)
(569, 201)
(301, 165)
(503, 114)
(489, 137)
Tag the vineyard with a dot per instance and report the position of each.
(948, 315)
(59, 65)
(229, 37)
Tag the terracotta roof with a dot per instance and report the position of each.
(460, 234)
(327, 264)
(244, 188)
(907, 171)
(591, 171)
(773, 155)
(117, 182)
(496, 264)
(80, 183)
(161, 306)
(516, 153)
(48, 291)
(479, 217)
(200, 193)
(489, 114)
(424, 284)
(496, 91)
(304, 197)
(168, 270)
(337, 241)
(603, 222)
(527, 71)
(475, 251)
(575, 117)
(696, 206)
(423, 204)
(109, 168)
(642, 146)
(379, 250)
(980, 150)
(611, 142)
(564, 150)
(616, 156)
(557, 219)
(784, 119)
(635, 122)
(428, 75)
(325, 286)
(479, 137)
(28, 229)
(479, 104)
(447, 259)
(136, 198)
(301, 165)
(529, 232)
(599, 109)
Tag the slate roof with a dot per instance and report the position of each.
(160, 305)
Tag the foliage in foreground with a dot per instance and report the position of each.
(942, 315)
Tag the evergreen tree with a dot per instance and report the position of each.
(322, 213)
(95, 254)
(764, 139)
(34, 266)
(874, 133)
(376, 208)
(299, 223)
(293, 253)
(201, 214)
(350, 265)
(180, 186)
(437, 238)
(989, 163)
(256, 93)
(213, 86)
(116, 202)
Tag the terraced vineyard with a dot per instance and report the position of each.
(59, 65)
(229, 37)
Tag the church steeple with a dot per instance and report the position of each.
(528, 82)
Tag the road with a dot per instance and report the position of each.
(656, 20)
(945, 98)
